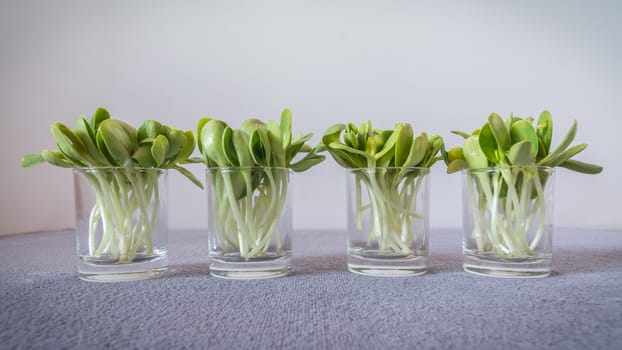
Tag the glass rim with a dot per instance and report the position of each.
(253, 167)
(389, 168)
(118, 168)
(497, 168)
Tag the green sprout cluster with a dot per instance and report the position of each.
(103, 142)
(250, 169)
(506, 202)
(389, 166)
(250, 173)
(517, 142)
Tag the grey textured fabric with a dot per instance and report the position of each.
(319, 306)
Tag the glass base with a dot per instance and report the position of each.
(373, 263)
(232, 266)
(142, 267)
(494, 266)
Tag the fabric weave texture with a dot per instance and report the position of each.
(320, 305)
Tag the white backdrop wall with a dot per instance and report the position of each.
(440, 65)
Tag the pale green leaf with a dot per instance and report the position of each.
(581, 167)
(499, 131)
(159, 149)
(473, 154)
(520, 153)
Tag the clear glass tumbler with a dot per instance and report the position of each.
(249, 222)
(508, 221)
(121, 223)
(388, 221)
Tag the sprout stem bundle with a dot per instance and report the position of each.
(504, 206)
(125, 210)
(250, 170)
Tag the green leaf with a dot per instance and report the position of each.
(186, 151)
(332, 134)
(473, 154)
(320, 148)
(286, 128)
(511, 120)
(351, 140)
(302, 138)
(103, 149)
(229, 146)
(32, 159)
(176, 141)
(307, 162)
(250, 125)
(455, 153)
(581, 167)
(211, 138)
(185, 172)
(541, 150)
(371, 147)
(98, 117)
(545, 130)
(488, 144)
(436, 143)
(259, 146)
(57, 158)
(520, 153)
(297, 145)
(83, 131)
(351, 128)
(348, 160)
(262, 131)
(384, 138)
(364, 131)
(418, 151)
(143, 155)
(151, 129)
(200, 126)
(276, 144)
(242, 149)
(119, 138)
(461, 133)
(387, 160)
(456, 165)
(566, 141)
(341, 146)
(70, 145)
(159, 149)
(523, 130)
(385, 141)
(499, 131)
(240, 179)
(403, 143)
(566, 155)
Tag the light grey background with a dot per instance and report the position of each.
(440, 65)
